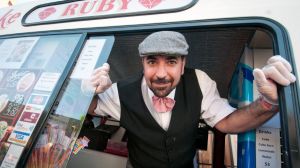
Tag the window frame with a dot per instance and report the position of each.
(289, 97)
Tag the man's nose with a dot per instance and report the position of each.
(161, 71)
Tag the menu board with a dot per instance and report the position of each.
(27, 122)
(15, 89)
(27, 81)
(47, 81)
(20, 100)
(268, 152)
(88, 58)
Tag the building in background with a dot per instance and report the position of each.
(5, 3)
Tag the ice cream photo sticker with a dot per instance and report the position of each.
(38, 99)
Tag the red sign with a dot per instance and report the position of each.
(150, 3)
(29, 117)
(102, 9)
(8, 18)
(47, 12)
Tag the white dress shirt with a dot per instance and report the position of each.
(213, 107)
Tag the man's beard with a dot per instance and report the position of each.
(162, 91)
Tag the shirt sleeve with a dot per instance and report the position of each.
(109, 103)
(213, 107)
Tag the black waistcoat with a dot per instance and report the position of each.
(149, 145)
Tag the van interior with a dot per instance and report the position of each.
(216, 50)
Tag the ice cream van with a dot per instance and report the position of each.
(48, 47)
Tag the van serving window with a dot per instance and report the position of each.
(227, 47)
(227, 55)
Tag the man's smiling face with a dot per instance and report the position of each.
(163, 73)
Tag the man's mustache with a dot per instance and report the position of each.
(161, 81)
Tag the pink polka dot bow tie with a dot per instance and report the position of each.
(163, 104)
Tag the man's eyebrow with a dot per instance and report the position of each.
(151, 57)
(171, 57)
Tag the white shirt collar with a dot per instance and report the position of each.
(163, 119)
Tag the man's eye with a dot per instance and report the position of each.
(151, 62)
(172, 62)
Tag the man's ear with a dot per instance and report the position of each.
(183, 65)
(142, 60)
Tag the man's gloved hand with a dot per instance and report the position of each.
(98, 82)
(278, 70)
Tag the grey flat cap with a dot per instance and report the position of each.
(164, 42)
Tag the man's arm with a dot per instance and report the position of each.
(277, 71)
(106, 99)
(93, 106)
(247, 117)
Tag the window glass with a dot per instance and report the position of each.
(56, 141)
(30, 68)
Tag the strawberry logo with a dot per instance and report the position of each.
(150, 3)
(46, 13)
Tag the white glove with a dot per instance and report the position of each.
(278, 70)
(98, 82)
